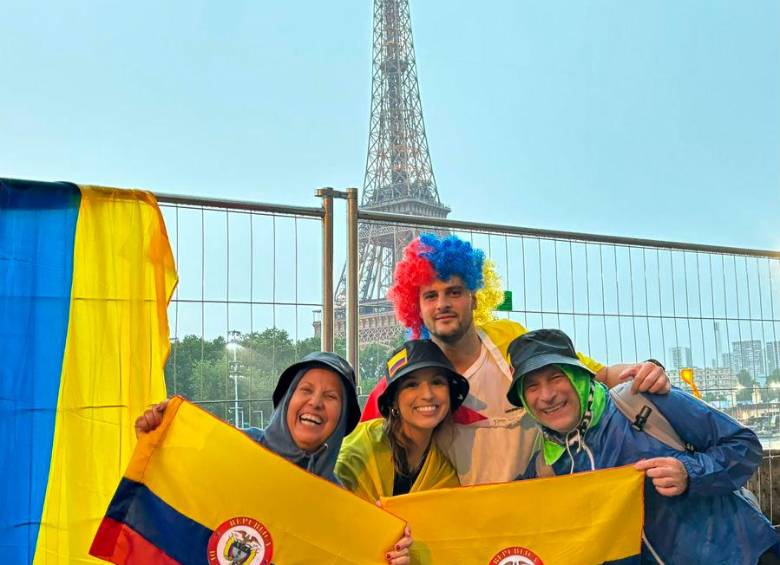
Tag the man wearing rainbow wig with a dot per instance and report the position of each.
(446, 290)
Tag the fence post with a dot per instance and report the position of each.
(352, 281)
(326, 324)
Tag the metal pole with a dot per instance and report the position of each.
(459, 225)
(352, 280)
(235, 385)
(233, 345)
(326, 325)
(245, 205)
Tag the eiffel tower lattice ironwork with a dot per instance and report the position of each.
(399, 176)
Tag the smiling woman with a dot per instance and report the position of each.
(398, 455)
(315, 408)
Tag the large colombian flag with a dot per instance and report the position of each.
(85, 277)
(198, 491)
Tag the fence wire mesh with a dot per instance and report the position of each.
(702, 309)
(248, 294)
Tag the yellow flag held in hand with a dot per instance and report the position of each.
(197, 490)
(582, 518)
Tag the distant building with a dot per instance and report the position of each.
(748, 355)
(772, 356)
(681, 357)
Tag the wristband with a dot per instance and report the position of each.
(656, 362)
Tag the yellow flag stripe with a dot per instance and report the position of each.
(117, 344)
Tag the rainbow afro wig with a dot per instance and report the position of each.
(429, 257)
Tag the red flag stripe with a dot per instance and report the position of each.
(465, 416)
(118, 543)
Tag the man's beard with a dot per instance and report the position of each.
(455, 335)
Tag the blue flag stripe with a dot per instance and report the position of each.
(37, 232)
(184, 539)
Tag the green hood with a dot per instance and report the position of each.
(554, 443)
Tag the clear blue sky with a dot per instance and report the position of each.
(654, 119)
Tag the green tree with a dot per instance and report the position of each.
(180, 375)
(372, 361)
(213, 387)
(400, 338)
(268, 352)
(712, 397)
(340, 346)
(746, 382)
(201, 370)
(772, 391)
(308, 345)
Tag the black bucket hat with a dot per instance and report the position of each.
(420, 354)
(333, 362)
(537, 349)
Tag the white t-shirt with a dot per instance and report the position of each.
(492, 439)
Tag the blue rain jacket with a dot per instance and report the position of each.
(708, 523)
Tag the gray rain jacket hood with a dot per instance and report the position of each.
(276, 437)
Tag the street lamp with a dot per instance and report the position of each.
(233, 345)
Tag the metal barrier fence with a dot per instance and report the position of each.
(254, 278)
(248, 290)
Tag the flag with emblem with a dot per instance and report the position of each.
(199, 491)
(550, 521)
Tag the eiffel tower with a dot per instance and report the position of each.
(399, 176)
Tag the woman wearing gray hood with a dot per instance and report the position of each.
(315, 406)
